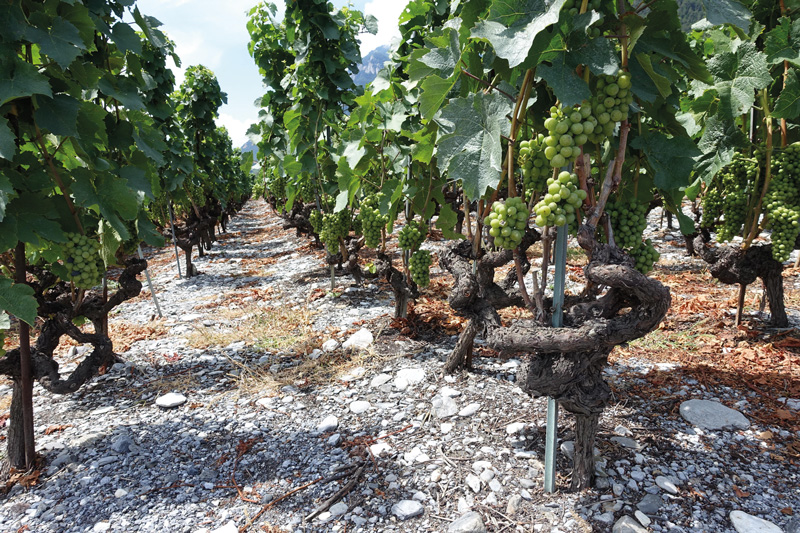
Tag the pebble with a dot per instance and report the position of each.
(338, 509)
(708, 414)
(626, 524)
(360, 340)
(329, 423)
(171, 399)
(444, 406)
(360, 406)
(650, 504)
(471, 522)
(405, 509)
(746, 523)
(412, 376)
(642, 518)
(666, 484)
(469, 410)
(330, 345)
(228, 527)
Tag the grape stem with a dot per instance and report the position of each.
(485, 83)
(613, 176)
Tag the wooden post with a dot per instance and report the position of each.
(26, 375)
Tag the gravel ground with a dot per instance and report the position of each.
(266, 430)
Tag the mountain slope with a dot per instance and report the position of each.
(371, 64)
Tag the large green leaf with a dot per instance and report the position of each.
(661, 82)
(126, 38)
(670, 158)
(788, 103)
(568, 87)
(512, 25)
(108, 194)
(725, 12)
(19, 79)
(124, 90)
(434, 93)
(470, 148)
(8, 147)
(783, 42)
(440, 57)
(737, 76)
(17, 299)
(720, 140)
(62, 42)
(58, 115)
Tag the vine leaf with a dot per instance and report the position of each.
(17, 299)
(62, 42)
(7, 149)
(440, 57)
(788, 103)
(719, 142)
(111, 197)
(662, 83)
(447, 221)
(783, 42)
(6, 192)
(19, 79)
(58, 115)
(737, 76)
(512, 25)
(434, 92)
(719, 12)
(470, 147)
(568, 87)
(126, 38)
(670, 158)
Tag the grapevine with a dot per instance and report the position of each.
(507, 222)
(419, 264)
(372, 222)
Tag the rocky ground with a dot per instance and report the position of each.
(261, 401)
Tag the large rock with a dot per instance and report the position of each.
(444, 406)
(745, 523)
(329, 423)
(712, 415)
(405, 509)
(360, 340)
(471, 522)
(626, 524)
(411, 375)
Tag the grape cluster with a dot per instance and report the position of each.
(334, 227)
(628, 219)
(785, 228)
(645, 255)
(315, 219)
(568, 129)
(573, 8)
(533, 164)
(507, 222)
(305, 189)
(736, 180)
(276, 185)
(411, 236)
(713, 202)
(419, 264)
(562, 200)
(611, 96)
(83, 261)
(372, 222)
(782, 201)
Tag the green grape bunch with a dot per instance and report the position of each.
(533, 164)
(737, 180)
(334, 227)
(712, 204)
(411, 236)
(507, 222)
(372, 222)
(315, 219)
(782, 201)
(628, 220)
(419, 265)
(611, 97)
(561, 203)
(785, 223)
(568, 129)
(645, 255)
(83, 261)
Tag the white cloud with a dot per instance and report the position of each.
(387, 14)
(237, 128)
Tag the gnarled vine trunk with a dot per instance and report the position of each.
(564, 363)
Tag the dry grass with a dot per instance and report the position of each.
(181, 381)
(270, 328)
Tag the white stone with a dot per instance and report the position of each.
(330, 345)
(446, 428)
(449, 392)
(626, 524)
(666, 484)
(471, 522)
(171, 399)
(745, 523)
(627, 442)
(405, 509)
(642, 518)
(338, 509)
(444, 406)
(470, 410)
(400, 384)
(360, 340)
(515, 428)
(412, 375)
(101, 526)
(379, 448)
(229, 527)
(474, 482)
(380, 379)
(120, 493)
(360, 406)
(329, 423)
(712, 415)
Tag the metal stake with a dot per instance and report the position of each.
(552, 404)
(150, 284)
(174, 240)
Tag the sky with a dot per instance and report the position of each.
(207, 33)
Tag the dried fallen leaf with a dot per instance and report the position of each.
(59, 427)
(784, 414)
(787, 511)
(766, 435)
(740, 493)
